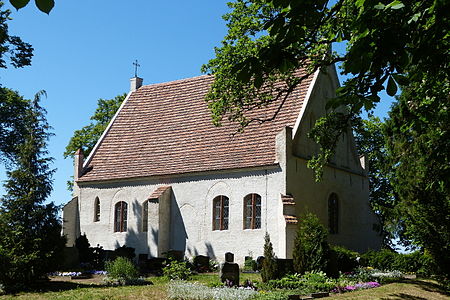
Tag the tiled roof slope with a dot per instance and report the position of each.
(166, 129)
(158, 192)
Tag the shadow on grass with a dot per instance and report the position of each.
(403, 296)
(427, 286)
(60, 286)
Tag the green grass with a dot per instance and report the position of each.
(408, 289)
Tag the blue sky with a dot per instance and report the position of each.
(84, 51)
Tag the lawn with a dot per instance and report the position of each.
(408, 289)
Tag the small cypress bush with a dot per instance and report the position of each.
(311, 250)
(269, 264)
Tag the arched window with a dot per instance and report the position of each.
(145, 216)
(96, 209)
(333, 213)
(120, 216)
(252, 211)
(221, 211)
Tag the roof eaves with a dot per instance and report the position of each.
(231, 170)
(102, 137)
(312, 84)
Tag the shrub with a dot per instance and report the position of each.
(310, 282)
(341, 260)
(417, 262)
(317, 282)
(291, 282)
(311, 249)
(122, 270)
(213, 265)
(382, 260)
(269, 265)
(250, 264)
(177, 270)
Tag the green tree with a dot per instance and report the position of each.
(13, 109)
(268, 40)
(311, 249)
(86, 138)
(269, 264)
(418, 139)
(389, 43)
(31, 243)
(370, 141)
(17, 53)
(12, 47)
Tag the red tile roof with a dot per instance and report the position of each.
(158, 192)
(290, 219)
(287, 200)
(166, 129)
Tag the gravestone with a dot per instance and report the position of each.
(229, 257)
(259, 262)
(201, 263)
(229, 270)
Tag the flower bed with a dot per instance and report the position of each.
(72, 274)
(355, 287)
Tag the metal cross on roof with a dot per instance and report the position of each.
(136, 65)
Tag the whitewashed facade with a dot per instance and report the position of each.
(180, 216)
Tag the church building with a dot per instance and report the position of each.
(163, 177)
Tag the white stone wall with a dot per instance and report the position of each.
(344, 176)
(191, 210)
(191, 213)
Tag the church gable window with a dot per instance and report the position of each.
(333, 213)
(145, 216)
(96, 209)
(221, 210)
(120, 216)
(252, 211)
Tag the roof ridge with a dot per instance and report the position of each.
(176, 81)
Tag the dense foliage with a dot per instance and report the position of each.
(418, 136)
(269, 264)
(268, 40)
(370, 141)
(390, 43)
(310, 282)
(177, 270)
(13, 109)
(311, 250)
(417, 262)
(341, 260)
(31, 243)
(17, 51)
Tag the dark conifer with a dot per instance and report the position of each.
(30, 243)
(269, 265)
